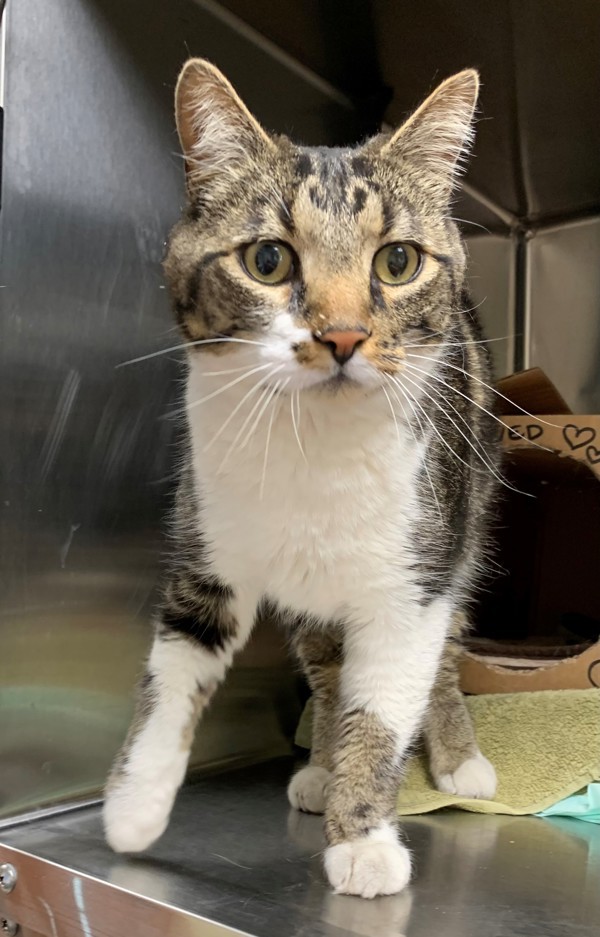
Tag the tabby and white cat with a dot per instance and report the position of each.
(339, 468)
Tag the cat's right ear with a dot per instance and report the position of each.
(216, 129)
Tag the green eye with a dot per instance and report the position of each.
(268, 261)
(396, 264)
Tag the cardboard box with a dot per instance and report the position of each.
(538, 624)
(488, 673)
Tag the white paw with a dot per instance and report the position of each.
(307, 790)
(135, 815)
(375, 865)
(474, 778)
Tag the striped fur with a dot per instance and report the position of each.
(352, 496)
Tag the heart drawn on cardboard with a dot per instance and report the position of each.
(578, 436)
(593, 454)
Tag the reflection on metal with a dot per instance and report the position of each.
(54, 810)
(55, 901)
(82, 477)
(237, 859)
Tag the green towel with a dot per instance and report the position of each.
(544, 745)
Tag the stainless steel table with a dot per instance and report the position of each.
(236, 859)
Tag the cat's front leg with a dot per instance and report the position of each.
(390, 662)
(320, 653)
(200, 627)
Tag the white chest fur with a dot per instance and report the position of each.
(321, 512)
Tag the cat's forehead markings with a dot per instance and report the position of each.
(342, 184)
(325, 164)
(328, 178)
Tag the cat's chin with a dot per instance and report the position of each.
(339, 381)
(342, 385)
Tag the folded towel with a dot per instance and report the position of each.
(544, 746)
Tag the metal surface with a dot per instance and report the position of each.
(564, 337)
(492, 288)
(237, 856)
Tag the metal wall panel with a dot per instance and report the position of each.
(491, 286)
(564, 310)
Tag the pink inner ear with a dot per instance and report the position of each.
(215, 126)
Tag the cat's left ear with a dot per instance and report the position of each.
(436, 139)
(216, 129)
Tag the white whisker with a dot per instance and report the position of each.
(423, 380)
(414, 368)
(228, 371)
(238, 406)
(254, 426)
(466, 221)
(442, 344)
(296, 393)
(221, 390)
(276, 407)
(485, 461)
(393, 412)
(241, 429)
(406, 391)
(203, 341)
(414, 435)
(455, 367)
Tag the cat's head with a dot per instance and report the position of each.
(332, 259)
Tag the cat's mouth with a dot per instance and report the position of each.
(358, 376)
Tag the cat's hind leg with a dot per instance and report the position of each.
(195, 641)
(456, 763)
(319, 653)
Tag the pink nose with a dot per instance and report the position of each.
(342, 342)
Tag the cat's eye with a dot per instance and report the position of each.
(396, 264)
(268, 261)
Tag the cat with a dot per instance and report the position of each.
(341, 464)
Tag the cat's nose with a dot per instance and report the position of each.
(342, 342)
